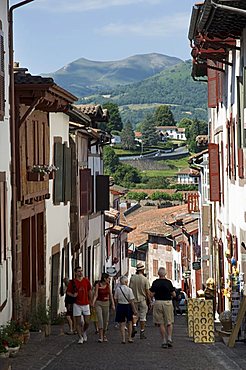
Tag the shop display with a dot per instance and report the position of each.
(201, 320)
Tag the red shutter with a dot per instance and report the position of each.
(220, 80)
(214, 172)
(3, 217)
(212, 85)
(240, 163)
(2, 83)
(169, 270)
(85, 191)
(233, 154)
(222, 172)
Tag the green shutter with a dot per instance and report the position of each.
(67, 173)
(58, 182)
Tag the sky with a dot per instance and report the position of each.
(49, 34)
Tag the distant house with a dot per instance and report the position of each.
(188, 176)
(116, 139)
(171, 132)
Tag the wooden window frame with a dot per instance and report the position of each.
(155, 267)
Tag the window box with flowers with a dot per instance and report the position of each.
(41, 173)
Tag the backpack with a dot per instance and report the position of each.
(68, 298)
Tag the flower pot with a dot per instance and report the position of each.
(26, 336)
(37, 176)
(226, 325)
(4, 354)
(13, 351)
(46, 328)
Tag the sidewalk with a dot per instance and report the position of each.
(62, 352)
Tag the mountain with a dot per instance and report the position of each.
(85, 77)
(138, 84)
(173, 86)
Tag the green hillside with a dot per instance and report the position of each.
(173, 86)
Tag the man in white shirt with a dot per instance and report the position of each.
(140, 287)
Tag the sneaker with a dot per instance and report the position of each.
(169, 343)
(80, 341)
(134, 331)
(85, 337)
(164, 345)
(142, 335)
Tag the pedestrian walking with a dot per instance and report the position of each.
(69, 309)
(81, 307)
(140, 287)
(163, 290)
(94, 317)
(101, 300)
(125, 308)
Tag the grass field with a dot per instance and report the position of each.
(160, 173)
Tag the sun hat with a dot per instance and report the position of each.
(140, 266)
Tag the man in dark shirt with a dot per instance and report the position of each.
(163, 290)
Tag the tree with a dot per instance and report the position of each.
(149, 133)
(126, 175)
(137, 195)
(111, 160)
(163, 116)
(127, 136)
(115, 122)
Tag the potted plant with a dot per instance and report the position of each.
(13, 346)
(4, 352)
(41, 172)
(226, 320)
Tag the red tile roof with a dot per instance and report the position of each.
(151, 219)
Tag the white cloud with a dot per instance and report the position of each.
(85, 5)
(164, 26)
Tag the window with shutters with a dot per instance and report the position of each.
(155, 267)
(169, 270)
(102, 193)
(63, 177)
(240, 163)
(215, 83)
(214, 172)
(33, 256)
(222, 175)
(2, 80)
(233, 150)
(3, 217)
(85, 180)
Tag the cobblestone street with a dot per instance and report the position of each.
(63, 352)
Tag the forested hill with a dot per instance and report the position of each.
(137, 84)
(171, 86)
(84, 77)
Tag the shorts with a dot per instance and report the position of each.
(142, 309)
(123, 313)
(69, 307)
(79, 310)
(163, 312)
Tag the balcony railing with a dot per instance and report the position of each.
(193, 202)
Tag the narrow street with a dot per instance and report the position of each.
(63, 352)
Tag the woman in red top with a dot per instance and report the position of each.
(101, 300)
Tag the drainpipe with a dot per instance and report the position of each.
(229, 8)
(13, 133)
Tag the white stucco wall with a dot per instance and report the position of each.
(57, 216)
(5, 158)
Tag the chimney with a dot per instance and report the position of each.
(18, 69)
